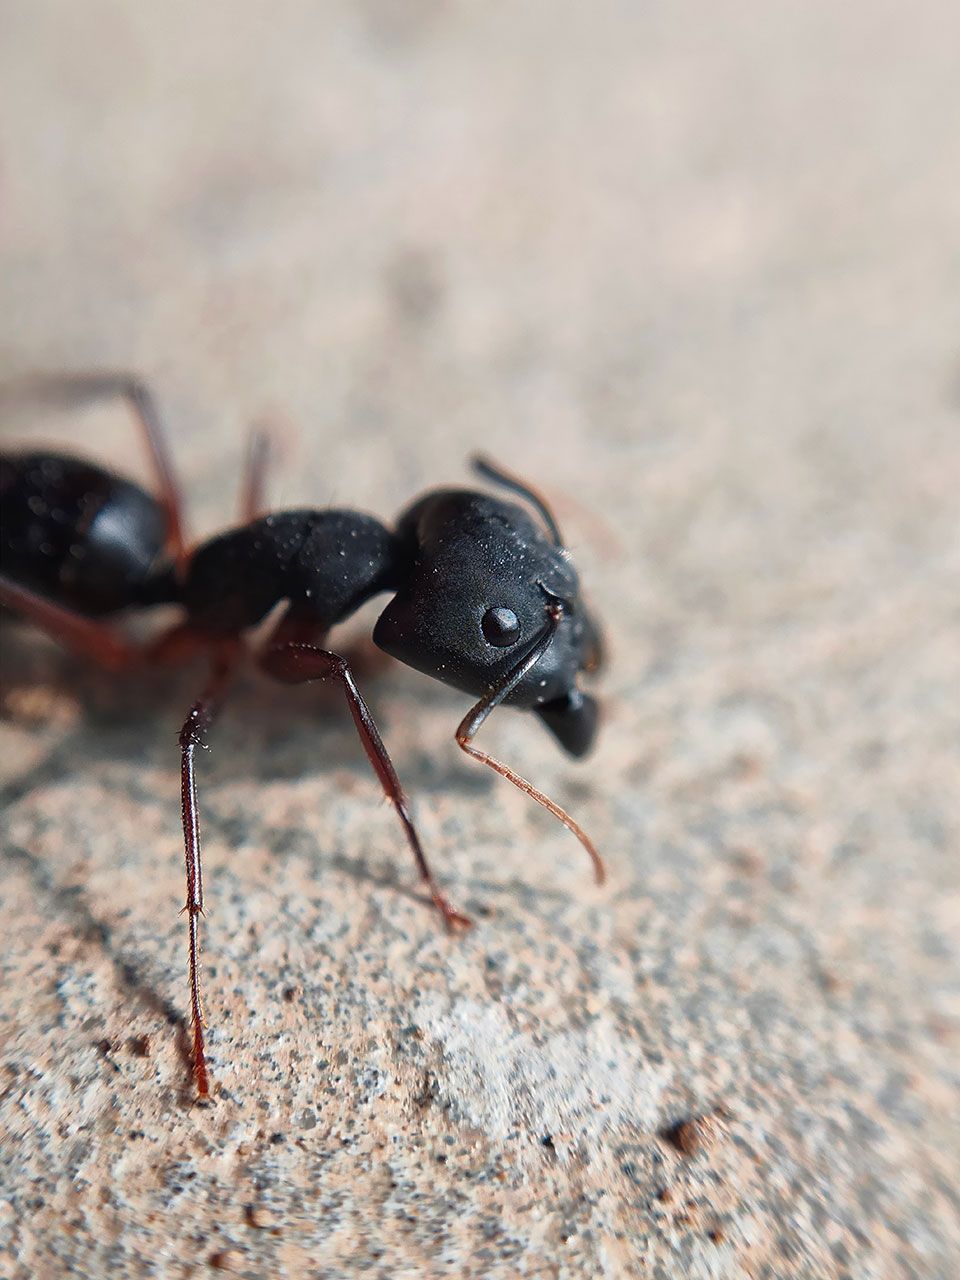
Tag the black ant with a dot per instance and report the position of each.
(485, 598)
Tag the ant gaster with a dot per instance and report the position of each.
(485, 599)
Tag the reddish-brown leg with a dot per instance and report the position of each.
(93, 640)
(111, 651)
(193, 735)
(494, 697)
(296, 662)
(252, 489)
(98, 641)
(99, 385)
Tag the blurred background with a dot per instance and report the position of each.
(694, 270)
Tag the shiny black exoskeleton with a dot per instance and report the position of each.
(473, 578)
(484, 597)
(79, 535)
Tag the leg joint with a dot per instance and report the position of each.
(195, 727)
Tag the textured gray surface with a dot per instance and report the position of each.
(697, 267)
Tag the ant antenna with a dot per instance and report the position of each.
(490, 471)
(493, 698)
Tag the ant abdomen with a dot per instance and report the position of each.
(80, 535)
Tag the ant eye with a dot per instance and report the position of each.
(501, 627)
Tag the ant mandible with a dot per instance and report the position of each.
(485, 599)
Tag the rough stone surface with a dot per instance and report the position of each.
(694, 269)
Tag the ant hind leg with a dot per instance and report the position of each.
(96, 641)
(253, 485)
(90, 639)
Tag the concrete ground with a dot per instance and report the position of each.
(695, 270)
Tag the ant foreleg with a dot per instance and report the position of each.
(296, 662)
(193, 735)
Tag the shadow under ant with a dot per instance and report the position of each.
(314, 729)
(113, 712)
(297, 731)
(70, 904)
(120, 711)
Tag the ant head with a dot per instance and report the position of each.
(484, 587)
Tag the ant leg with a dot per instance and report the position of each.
(83, 386)
(252, 503)
(84, 636)
(193, 735)
(295, 662)
(97, 641)
(141, 401)
(113, 652)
